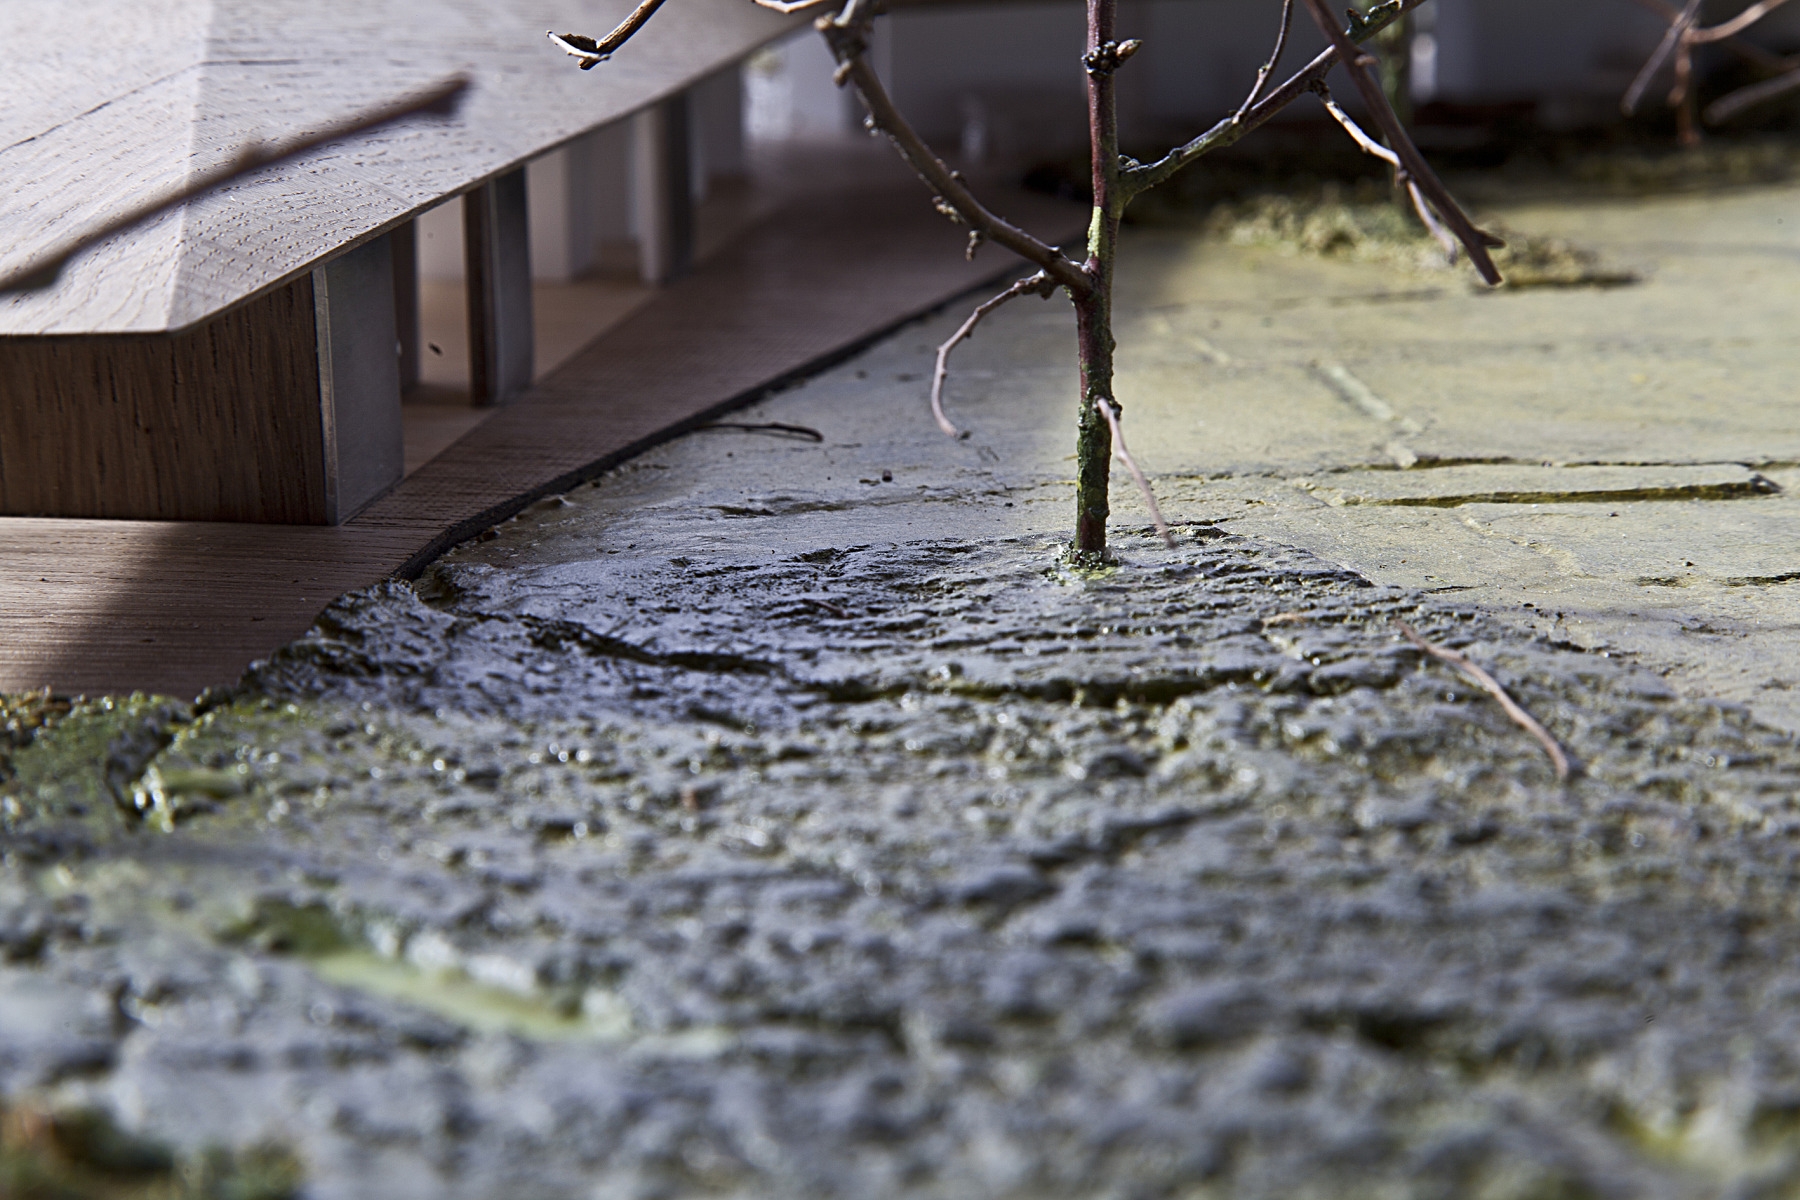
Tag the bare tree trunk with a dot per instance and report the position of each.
(1116, 181)
(1093, 312)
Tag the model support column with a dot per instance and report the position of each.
(663, 189)
(284, 409)
(497, 250)
(405, 243)
(718, 120)
(359, 377)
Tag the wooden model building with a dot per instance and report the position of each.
(242, 357)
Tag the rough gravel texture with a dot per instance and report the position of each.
(925, 869)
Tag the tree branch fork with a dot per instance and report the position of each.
(1684, 35)
(847, 25)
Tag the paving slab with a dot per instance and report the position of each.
(779, 815)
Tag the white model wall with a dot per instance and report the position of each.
(1203, 55)
(1575, 58)
(946, 66)
(788, 92)
(584, 207)
(938, 60)
(1497, 50)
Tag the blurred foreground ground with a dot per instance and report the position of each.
(778, 818)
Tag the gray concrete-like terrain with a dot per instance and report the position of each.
(776, 818)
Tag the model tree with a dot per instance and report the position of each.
(1117, 180)
(1685, 36)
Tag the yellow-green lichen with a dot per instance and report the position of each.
(80, 1154)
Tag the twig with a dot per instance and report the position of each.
(45, 269)
(836, 610)
(1137, 178)
(1118, 438)
(1433, 226)
(1683, 35)
(1727, 107)
(1038, 282)
(802, 431)
(1737, 24)
(1492, 686)
(592, 53)
(1368, 144)
(1476, 241)
(1748, 50)
(1672, 42)
(1268, 68)
(847, 35)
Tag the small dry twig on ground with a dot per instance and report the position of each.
(1118, 437)
(1489, 684)
(1684, 35)
(45, 269)
(776, 427)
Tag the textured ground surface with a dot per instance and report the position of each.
(779, 819)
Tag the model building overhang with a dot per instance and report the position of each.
(242, 356)
(116, 100)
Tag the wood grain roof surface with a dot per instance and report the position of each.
(106, 103)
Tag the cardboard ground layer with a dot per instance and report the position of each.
(112, 606)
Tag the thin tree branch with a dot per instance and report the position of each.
(1745, 49)
(1671, 42)
(1037, 282)
(1683, 35)
(1429, 219)
(1137, 178)
(1368, 144)
(1727, 107)
(1476, 241)
(847, 35)
(1268, 68)
(1492, 686)
(1737, 24)
(1118, 440)
(592, 53)
(43, 270)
